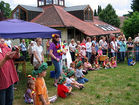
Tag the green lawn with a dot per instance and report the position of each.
(119, 86)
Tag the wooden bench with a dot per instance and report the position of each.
(23, 65)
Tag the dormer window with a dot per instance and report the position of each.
(47, 2)
(88, 14)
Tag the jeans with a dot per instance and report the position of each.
(24, 54)
(72, 56)
(88, 54)
(82, 80)
(104, 52)
(57, 68)
(122, 56)
(114, 54)
(6, 96)
(137, 53)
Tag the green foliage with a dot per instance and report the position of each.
(109, 16)
(135, 5)
(95, 13)
(99, 10)
(5, 8)
(131, 25)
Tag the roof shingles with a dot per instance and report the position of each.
(61, 18)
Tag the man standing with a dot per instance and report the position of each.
(8, 75)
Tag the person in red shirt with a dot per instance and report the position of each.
(62, 90)
(8, 75)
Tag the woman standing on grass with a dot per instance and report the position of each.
(72, 48)
(56, 55)
(38, 54)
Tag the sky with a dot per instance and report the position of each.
(121, 6)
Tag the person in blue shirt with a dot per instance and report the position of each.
(122, 50)
(23, 48)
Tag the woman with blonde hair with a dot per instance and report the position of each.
(72, 48)
(38, 54)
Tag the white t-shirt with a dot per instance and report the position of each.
(68, 81)
(72, 46)
(88, 47)
(9, 43)
(38, 50)
(136, 40)
(114, 46)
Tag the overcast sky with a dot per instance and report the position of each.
(121, 6)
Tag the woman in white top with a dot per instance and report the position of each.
(72, 49)
(89, 49)
(38, 54)
(114, 47)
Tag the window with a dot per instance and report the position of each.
(88, 14)
(22, 15)
(48, 1)
(61, 2)
(16, 14)
(55, 2)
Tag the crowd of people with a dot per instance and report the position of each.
(72, 62)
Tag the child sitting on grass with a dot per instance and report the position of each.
(29, 95)
(74, 83)
(87, 66)
(40, 86)
(72, 66)
(96, 63)
(113, 62)
(62, 90)
(79, 74)
(130, 61)
(106, 63)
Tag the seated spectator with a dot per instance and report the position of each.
(79, 73)
(62, 90)
(96, 63)
(70, 80)
(87, 66)
(113, 62)
(29, 95)
(131, 62)
(106, 63)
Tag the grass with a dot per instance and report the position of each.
(119, 86)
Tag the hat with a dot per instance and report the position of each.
(65, 69)
(83, 46)
(79, 64)
(41, 68)
(63, 75)
(70, 73)
(61, 80)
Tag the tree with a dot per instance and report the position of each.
(5, 9)
(109, 16)
(99, 10)
(95, 13)
(131, 25)
(135, 5)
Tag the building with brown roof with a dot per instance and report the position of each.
(74, 22)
